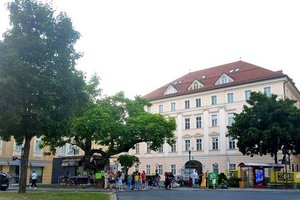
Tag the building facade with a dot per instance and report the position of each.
(39, 163)
(203, 104)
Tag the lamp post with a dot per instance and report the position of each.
(190, 164)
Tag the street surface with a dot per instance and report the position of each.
(189, 194)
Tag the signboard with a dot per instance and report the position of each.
(283, 177)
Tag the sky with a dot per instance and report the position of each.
(137, 46)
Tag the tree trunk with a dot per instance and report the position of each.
(24, 165)
(275, 158)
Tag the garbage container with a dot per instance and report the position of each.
(241, 184)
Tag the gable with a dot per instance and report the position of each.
(170, 90)
(196, 85)
(224, 79)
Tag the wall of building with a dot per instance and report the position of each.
(223, 156)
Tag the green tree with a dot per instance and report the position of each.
(119, 123)
(267, 125)
(127, 161)
(39, 85)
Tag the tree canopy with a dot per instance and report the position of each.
(127, 161)
(118, 124)
(266, 126)
(39, 85)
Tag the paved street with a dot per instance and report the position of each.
(189, 194)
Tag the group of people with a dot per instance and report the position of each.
(135, 181)
(114, 180)
(139, 181)
(204, 182)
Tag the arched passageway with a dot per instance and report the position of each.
(194, 164)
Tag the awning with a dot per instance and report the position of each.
(70, 162)
(3, 163)
(13, 162)
(265, 165)
(37, 163)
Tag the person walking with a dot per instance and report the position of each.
(143, 179)
(34, 177)
(129, 182)
(195, 179)
(213, 180)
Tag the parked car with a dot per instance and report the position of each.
(4, 181)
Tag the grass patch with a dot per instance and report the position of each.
(57, 195)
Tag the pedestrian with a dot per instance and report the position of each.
(106, 179)
(206, 176)
(34, 177)
(137, 181)
(213, 180)
(123, 180)
(194, 178)
(129, 182)
(143, 179)
(203, 182)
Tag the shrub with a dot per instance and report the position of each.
(234, 181)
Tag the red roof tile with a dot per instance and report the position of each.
(247, 73)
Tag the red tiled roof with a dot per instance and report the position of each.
(247, 73)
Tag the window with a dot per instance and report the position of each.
(232, 166)
(187, 145)
(198, 122)
(173, 108)
(198, 103)
(247, 94)
(149, 109)
(230, 119)
(215, 168)
(137, 167)
(71, 149)
(148, 147)
(18, 147)
(160, 169)
(198, 144)
(195, 85)
(63, 149)
(267, 91)
(214, 100)
(187, 104)
(187, 123)
(148, 170)
(224, 79)
(214, 120)
(231, 143)
(173, 147)
(37, 148)
(173, 169)
(230, 98)
(0, 142)
(137, 148)
(215, 143)
(161, 149)
(170, 90)
(160, 108)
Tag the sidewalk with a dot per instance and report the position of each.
(94, 189)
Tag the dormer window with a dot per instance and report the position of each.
(224, 79)
(170, 90)
(195, 85)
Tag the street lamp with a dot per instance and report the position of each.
(190, 160)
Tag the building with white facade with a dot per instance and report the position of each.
(203, 103)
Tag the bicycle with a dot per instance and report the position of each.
(67, 181)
